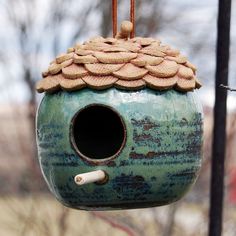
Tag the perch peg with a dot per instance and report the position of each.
(90, 177)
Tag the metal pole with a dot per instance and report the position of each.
(220, 112)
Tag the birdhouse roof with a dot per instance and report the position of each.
(129, 64)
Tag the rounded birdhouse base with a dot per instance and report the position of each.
(148, 143)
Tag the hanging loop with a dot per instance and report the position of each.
(114, 17)
(132, 17)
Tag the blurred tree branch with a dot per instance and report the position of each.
(39, 26)
(114, 223)
(29, 36)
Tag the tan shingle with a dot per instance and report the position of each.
(160, 83)
(74, 71)
(99, 82)
(186, 85)
(130, 64)
(102, 69)
(130, 72)
(115, 58)
(164, 70)
(130, 85)
(185, 72)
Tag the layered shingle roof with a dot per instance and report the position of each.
(123, 63)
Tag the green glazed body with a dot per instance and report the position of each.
(158, 164)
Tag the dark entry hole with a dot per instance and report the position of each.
(98, 132)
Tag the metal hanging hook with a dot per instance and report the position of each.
(114, 17)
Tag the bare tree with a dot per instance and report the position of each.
(33, 31)
(38, 29)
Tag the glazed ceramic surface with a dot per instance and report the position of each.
(158, 164)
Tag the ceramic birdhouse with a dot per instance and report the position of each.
(120, 125)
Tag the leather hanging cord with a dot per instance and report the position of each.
(132, 17)
(114, 17)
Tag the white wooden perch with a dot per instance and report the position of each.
(90, 177)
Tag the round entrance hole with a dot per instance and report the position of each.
(98, 132)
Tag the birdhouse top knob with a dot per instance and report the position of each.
(120, 62)
(125, 30)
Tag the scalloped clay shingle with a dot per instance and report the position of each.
(120, 62)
